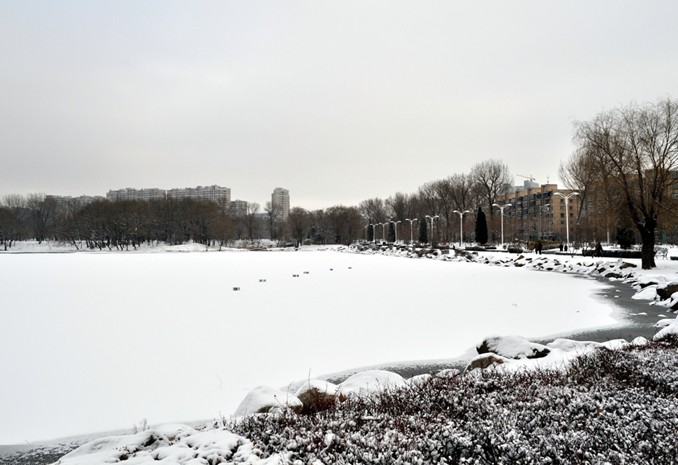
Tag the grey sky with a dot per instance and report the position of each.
(336, 101)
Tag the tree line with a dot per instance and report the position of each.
(624, 166)
(124, 224)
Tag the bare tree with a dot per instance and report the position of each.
(641, 144)
(374, 210)
(492, 179)
(273, 213)
(299, 222)
(251, 219)
(592, 176)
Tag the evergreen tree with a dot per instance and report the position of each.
(625, 237)
(391, 232)
(423, 231)
(481, 227)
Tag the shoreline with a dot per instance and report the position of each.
(636, 318)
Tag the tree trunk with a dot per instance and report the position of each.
(647, 251)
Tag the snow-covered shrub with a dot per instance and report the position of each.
(610, 407)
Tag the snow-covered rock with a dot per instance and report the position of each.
(169, 445)
(370, 381)
(646, 293)
(317, 395)
(670, 328)
(512, 347)
(263, 399)
(485, 360)
(667, 289)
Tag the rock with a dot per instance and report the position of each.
(317, 395)
(448, 373)
(485, 360)
(623, 265)
(666, 290)
(515, 347)
(263, 399)
(639, 342)
(419, 380)
(370, 381)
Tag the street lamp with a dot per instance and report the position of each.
(411, 221)
(461, 224)
(432, 218)
(501, 208)
(374, 231)
(567, 214)
(395, 228)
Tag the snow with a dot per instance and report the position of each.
(370, 381)
(99, 341)
(166, 446)
(263, 398)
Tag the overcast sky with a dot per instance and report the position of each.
(336, 101)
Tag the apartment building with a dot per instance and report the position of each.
(541, 213)
(217, 194)
(280, 200)
(130, 193)
(238, 208)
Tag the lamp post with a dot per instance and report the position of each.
(567, 214)
(461, 224)
(501, 209)
(432, 218)
(374, 232)
(411, 221)
(395, 228)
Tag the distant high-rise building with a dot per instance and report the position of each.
(238, 208)
(217, 194)
(130, 193)
(280, 201)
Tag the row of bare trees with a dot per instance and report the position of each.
(625, 167)
(480, 188)
(123, 224)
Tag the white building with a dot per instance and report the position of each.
(217, 194)
(130, 193)
(280, 200)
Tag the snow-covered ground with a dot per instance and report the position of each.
(100, 341)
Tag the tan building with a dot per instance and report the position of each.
(540, 213)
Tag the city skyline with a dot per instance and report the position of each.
(340, 102)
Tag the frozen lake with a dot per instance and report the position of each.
(100, 341)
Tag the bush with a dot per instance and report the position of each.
(609, 407)
(612, 253)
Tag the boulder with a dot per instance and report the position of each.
(623, 265)
(370, 381)
(316, 395)
(515, 347)
(666, 290)
(263, 399)
(448, 373)
(485, 360)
